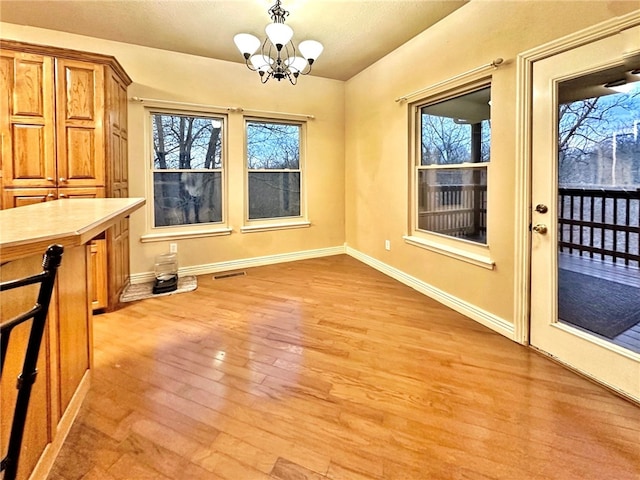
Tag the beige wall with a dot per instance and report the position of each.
(179, 77)
(377, 152)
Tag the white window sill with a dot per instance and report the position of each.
(166, 236)
(478, 259)
(265, 227)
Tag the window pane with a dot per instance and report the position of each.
(457, 130)
(182, 198)
(598, 132)
(273, 195)
(186, 142)
(273, 146)
(453, 202)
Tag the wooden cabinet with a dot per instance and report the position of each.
(28, 129)
(65, 357)
(64, 135)
(80, 113)
(98, 274)
(117, 180)
(63, 361)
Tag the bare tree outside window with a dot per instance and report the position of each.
(274, 173)
(598, 138)
(187, 169)
(451, 175)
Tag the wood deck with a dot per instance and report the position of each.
(614, 272)
(328, 369)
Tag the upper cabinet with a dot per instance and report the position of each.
(53, 127)
(28, 127)
(63, 127)
(80, 99)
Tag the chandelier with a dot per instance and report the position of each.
(278, 57)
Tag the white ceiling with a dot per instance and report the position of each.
(355, 33)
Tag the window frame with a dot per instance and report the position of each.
(458, 248)
(195, 230)
(276, 223)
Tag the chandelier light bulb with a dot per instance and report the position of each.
(246, 43)
(296, 64)
(311, 50)
(277, 56)
(261, 62)
(279, 34)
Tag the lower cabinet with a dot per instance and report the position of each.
(63, 362)
(99, 299)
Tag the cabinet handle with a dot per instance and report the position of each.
(50, 179)
(62, 195)
(62, 179)
(50, 195)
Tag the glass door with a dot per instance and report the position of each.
(585, 256)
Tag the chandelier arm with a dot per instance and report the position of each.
(249, 66)
(264, 78)
(307, 69)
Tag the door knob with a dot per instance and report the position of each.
(49, 179)
(541, 208)
(540, 228)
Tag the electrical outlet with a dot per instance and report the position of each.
(387, 244)
(173, 248)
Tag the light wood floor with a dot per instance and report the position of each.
(326, 368)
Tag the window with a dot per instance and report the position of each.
(451, 166)
(273, 170)
(187, 169)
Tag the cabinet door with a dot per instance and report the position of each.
(18, 197)
(117, 175)
(27, 120)
(80, 124)
(116, 119)
(98, 274)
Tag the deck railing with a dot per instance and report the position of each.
(601, 223)
(454, 210)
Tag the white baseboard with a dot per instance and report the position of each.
(487, 319)
(239, 264)
(481, 316)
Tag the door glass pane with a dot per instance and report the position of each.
(599, 205)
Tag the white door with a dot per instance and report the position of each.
(585, 273)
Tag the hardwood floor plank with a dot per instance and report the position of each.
(326, 368)
(286, 470)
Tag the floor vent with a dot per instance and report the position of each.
(228, 275)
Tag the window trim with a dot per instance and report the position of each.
(458, 248)
(176, 232)
(276, 223)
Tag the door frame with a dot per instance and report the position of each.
(524, 95)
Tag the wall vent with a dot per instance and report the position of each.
(220, 276)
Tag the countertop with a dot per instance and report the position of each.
(69, 222)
